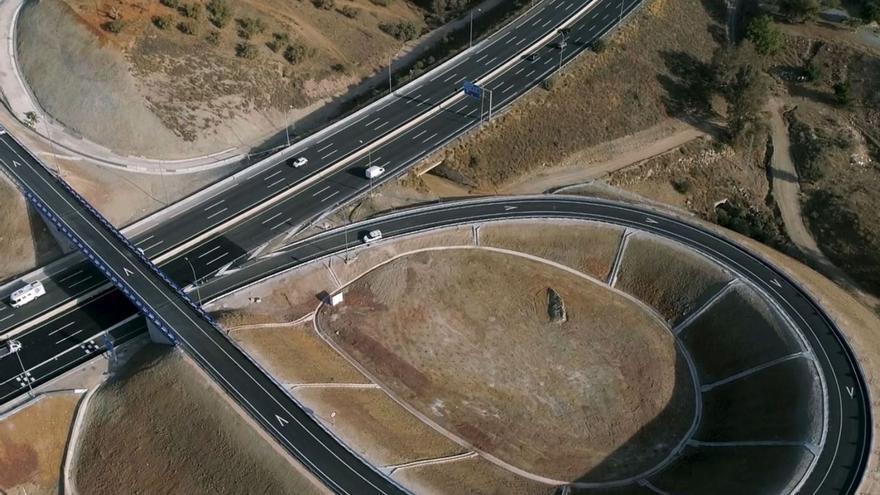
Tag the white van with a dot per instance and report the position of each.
(26, 294)
(374, 171)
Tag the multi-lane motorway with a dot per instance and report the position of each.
(69, 337)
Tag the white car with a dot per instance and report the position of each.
(299, 162)
(372, 236)
(2, 130)
(26, 294)
(374, 171)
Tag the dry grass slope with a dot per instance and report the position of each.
(32, 444)
(25, 241)
(160, 427)
(464, 337)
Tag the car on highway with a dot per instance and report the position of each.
(26, 294)
(297, 163)
(531, 57)
(374, 171)
(372, 236)
(560, 45)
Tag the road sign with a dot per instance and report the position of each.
(473, 90)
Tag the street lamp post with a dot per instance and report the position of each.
(195, 279)
(471, 38)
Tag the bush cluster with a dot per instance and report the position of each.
(402, 30)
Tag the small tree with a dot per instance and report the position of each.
(843, 93)
(599, 46)
(765, 36)
(213, 38)
(174, 4)
(296, 53)
(324, 4)
(814, 71)
(403, 30)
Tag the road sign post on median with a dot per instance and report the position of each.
(476, 91)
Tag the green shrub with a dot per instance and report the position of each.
(115, 26)
(213, 38)
(249, 27)
(599, 46)
(766, 37)
(246, 50)
(191, 10)
(174, 4)
(350, 12)
(814, 71)
(843, 93)
(381, 3)
(278, 41)
(748, 221)
(296, 53)
(162, 21)
(403, 30)
(324, 4)
(682, 185)
(186, 27)
(220, 12)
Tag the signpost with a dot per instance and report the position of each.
(475, 91)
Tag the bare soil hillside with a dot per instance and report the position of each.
(25, 241)
(211, 74)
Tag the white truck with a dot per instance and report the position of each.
(26, 294)
(374, 171)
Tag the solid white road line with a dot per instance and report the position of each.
(322, 190)
(145, 239)
(273, 217)
(273, 175)
(213, 205)
(208, 252)
(53, 332)
(218, 258)
(151, 246)
(279, 181)
(328, 197)
(78, 282)
(218, 212)
(70, 276)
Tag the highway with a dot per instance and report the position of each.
(170, 312)
(82, 280)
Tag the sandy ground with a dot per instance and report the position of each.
(597, 244)
(296, 354)
(32, 445)
(25, 241)
(482, 371)
(375, 426)
(162, 427)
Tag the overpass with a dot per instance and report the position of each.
(169, 311)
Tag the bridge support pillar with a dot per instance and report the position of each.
(63, 241)
(156, 335)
